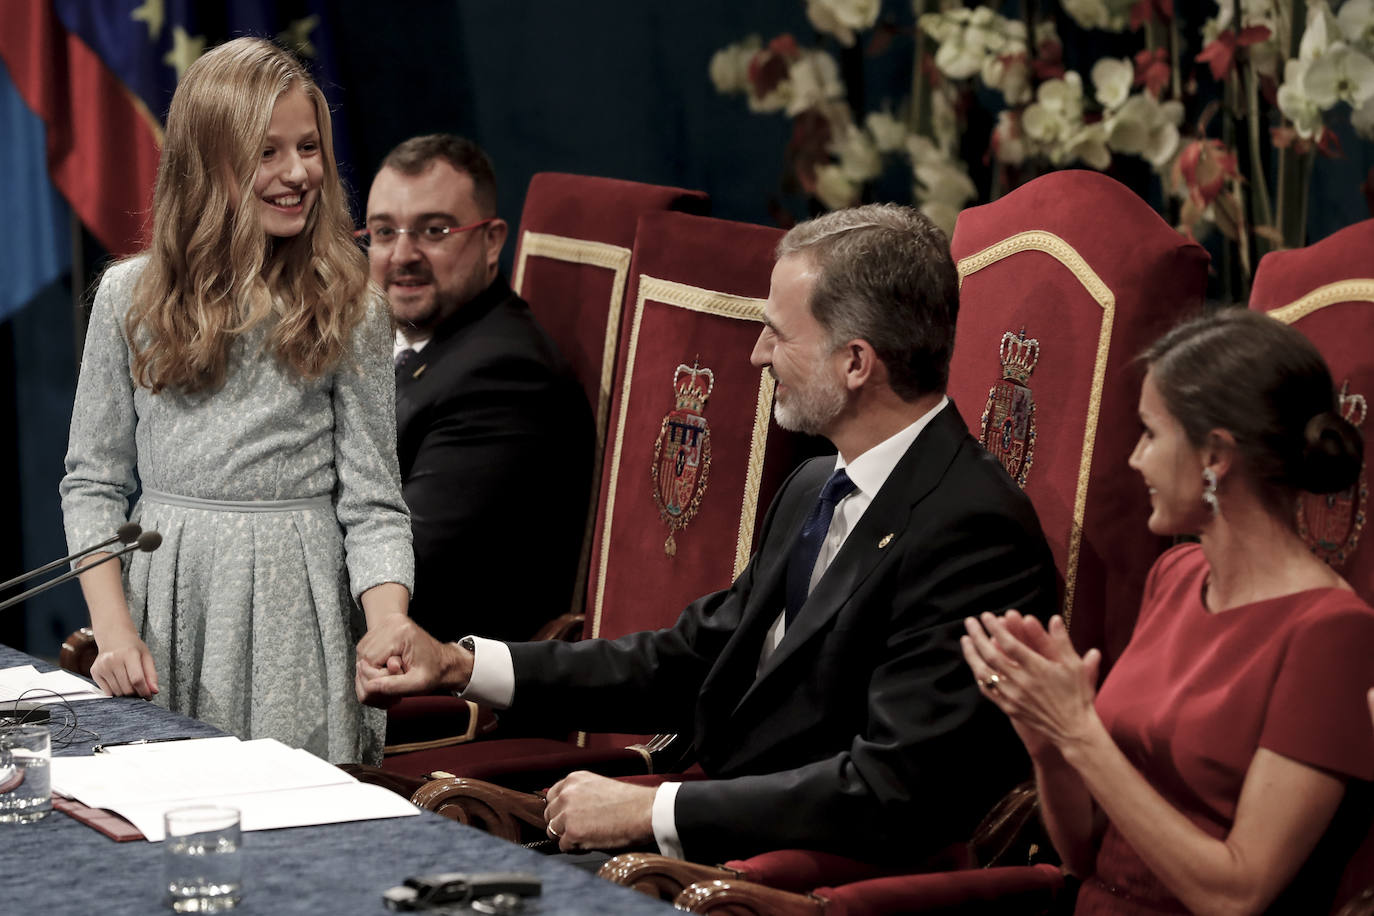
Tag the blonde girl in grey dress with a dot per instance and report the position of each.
(239, 372)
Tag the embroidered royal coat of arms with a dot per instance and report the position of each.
(682, 453)
(1331, 523)
(1008, 424)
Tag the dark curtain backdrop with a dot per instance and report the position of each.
(614, 87)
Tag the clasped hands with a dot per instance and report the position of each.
(1034, 675)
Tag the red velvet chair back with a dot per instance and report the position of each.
(1326, 290)
(693, 457)
(1063, 282)
(572, 264)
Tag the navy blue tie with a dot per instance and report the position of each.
(808, 547)
(404, 359)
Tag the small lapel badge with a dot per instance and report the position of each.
(420, 371)
(887, 539)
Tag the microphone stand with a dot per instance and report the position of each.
(128, 533)
(148, 541)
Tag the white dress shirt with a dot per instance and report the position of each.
(401, 344)
(493, 672)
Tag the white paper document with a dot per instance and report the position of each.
(27, 683)
(271, 784)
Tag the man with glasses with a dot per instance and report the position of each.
(494, 435)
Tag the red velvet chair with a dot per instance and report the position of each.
(1326, 290)
(1063, 282)
(572, 263)
(689, 326)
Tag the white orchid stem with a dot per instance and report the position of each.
(1259, 180)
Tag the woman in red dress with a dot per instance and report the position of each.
(1224, 765)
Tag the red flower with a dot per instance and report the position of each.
(1152, 70)
(1145, 10)
(1204, 167)
(1220, 54)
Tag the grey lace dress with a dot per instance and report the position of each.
(279, 502)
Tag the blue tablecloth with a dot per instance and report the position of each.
(58, 865)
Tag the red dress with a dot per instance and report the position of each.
(1196, 694)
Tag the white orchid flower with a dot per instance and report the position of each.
(1009, 74)
(1342, 74)
(842, 18)
(1362, 119)
(945, 181)
(833, 189)
(1008, 141)
(813, 80)
(1145, 127)
(889, 134)
(1112, 79)
(1295, 103)
(1356, 20)
(730, 65)
(1317, 36)
(1089, 145)
(859, 158)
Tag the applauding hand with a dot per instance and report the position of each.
(1034, 676)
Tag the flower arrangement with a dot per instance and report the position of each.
(1229, 112)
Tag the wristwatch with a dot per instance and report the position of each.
(468, 643)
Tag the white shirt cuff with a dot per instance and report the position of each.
(665, 820)
(493, 674)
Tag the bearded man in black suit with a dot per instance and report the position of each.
(495, 437)
(824, 693)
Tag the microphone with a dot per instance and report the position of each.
(147, 542)
(128, 533)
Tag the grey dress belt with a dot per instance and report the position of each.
(234, 505)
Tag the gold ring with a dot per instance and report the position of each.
(992, 681)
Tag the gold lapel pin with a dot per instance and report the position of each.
(887, 539)
(419, 371)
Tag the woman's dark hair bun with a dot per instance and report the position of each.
(1332, 454)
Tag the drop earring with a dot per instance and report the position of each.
(1209, 491)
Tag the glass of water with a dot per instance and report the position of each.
(25, 785)
(202, 868)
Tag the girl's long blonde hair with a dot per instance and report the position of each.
(212, 272)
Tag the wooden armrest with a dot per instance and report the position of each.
(1011, 833)
(564, 627)
(376, 776)
(660, 876)
(743, 898)
(79, 652)
(510, 815)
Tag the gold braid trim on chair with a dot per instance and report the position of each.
(595, 254)
(742, 898)
(1063, 252)
(1322, 296)
(660, 877)
(503, 813)
(728, 305)
(679, 295)
(617, 260)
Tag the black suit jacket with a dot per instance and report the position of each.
(495, 440)
(864, 734)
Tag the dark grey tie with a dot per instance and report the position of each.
(404, 359)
